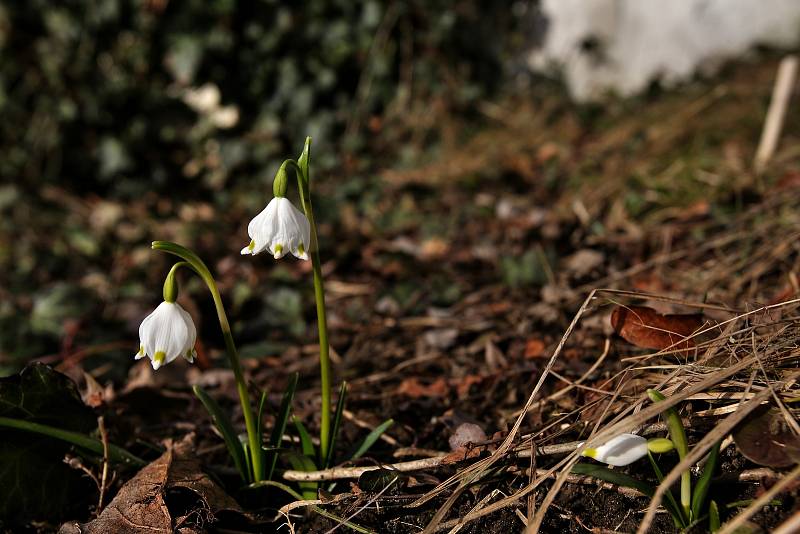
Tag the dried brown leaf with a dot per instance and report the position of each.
(141, 504)
(766, 438)
(412, 387)
(648, 329)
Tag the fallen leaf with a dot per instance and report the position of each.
(648, 329)
(170, 494)
(583, 262)
(412, 387)
(534, 348)
(765, 438)
(463, 384)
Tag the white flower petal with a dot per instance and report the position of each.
(620, 450)
(165, 334)
(280, 228)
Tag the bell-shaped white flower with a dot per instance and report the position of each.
(620, 450)
(279, 228)
(167, 333)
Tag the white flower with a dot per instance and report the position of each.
(279, 228)
(167, 333)
(621, 450)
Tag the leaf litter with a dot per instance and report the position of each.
(478, 295)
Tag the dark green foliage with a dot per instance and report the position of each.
(100, 149)
(90, 91)
(34, 480)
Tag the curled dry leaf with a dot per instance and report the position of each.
(413, 388)
(648, 329)
(765, 438)
(171, 494)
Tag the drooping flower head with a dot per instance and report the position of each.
(165, 334)
(279, 228)
(620, 450)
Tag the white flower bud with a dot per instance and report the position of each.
(620, 450)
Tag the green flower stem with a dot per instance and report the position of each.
(117, 454)
(194, 261)
(301, 169)
(678, 436)
(324, 348)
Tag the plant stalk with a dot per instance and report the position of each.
(241, 385)
(301, 167)
(197, 265)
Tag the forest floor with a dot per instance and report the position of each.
(477, 286)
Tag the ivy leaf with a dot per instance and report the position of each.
(35, 483)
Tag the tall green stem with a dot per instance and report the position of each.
(678, 435)
(324, 348)
(200, 268)
(301, 168)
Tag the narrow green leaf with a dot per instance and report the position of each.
(703, 483)
(678, 436)
(305, 439)
(260, 429)
(225, 427)
(371, 438)
(337, 419)
(281, 419)
(615, 477)
(672, 505)
(714, 523)
(115, 453)
(301, 462)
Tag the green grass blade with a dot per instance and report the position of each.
(337, 419)
(115, 453)
(305, 439)
(225, 427)
(678, 436)
(672, 505)
(615, 477)
(371, 438)
(714, 523)
(260, 429)
(301, 462)
(703, 483)
(281, 420)
(621, 479)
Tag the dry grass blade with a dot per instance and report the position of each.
(705, 381)
(473, 472)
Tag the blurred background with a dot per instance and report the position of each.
(463, 152)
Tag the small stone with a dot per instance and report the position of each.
(466, 433)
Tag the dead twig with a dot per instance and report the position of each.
(104, 477)
(779, 103)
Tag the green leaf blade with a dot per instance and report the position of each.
(225, 427)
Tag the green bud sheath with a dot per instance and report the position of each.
(171, 284)
(279, 183)
(660, 445)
